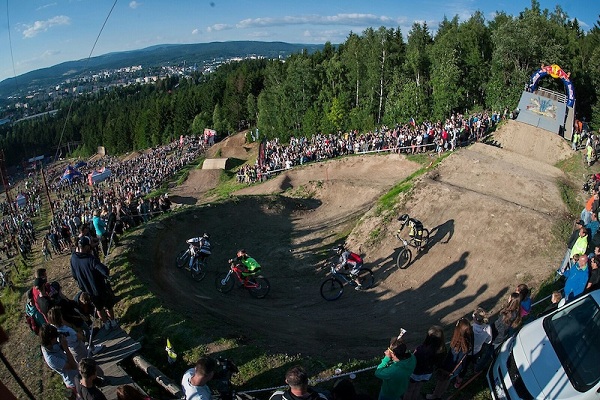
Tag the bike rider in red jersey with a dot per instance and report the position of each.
(348, 258)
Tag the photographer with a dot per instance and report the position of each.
(194, 381)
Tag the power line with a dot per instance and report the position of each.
(84, 69)
(12, 58)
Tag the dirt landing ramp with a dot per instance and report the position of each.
(215, 163)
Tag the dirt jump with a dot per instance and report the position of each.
(490, 209)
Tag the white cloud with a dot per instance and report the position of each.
(43, 26)
(195, 31)
(353, 19)
(45, 6)
(134, 4)
(218, 27)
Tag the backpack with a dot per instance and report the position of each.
(33, 318)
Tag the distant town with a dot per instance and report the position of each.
(45, 100)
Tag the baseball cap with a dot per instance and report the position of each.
(84, 241)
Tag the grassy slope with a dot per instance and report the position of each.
(148, 320)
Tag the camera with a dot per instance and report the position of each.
(221, 381)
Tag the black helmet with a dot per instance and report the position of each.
(206, 236)
(339, 248)
(403, 218)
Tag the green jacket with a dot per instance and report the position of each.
(395, 377)
(251, 264)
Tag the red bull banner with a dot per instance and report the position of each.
(555, 72)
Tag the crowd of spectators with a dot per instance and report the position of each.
(410, 138)
(17, 234)
(119, 201)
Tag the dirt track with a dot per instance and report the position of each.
(490, 211)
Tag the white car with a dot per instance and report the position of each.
(556, 356)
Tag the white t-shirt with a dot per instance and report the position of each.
(194, 392)
(482, 334)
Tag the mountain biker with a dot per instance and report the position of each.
(201, 248)
(348, 258)
(246, 265)
(416, 229)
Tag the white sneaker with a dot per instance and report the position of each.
(96, 349)
(359, 287)
(107, 326)
(113, 323)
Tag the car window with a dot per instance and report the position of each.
(573, 332)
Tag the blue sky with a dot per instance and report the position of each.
(46, 32)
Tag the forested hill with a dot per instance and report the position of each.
(154, 56)
(379, 77)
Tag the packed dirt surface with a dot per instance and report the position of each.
(490, 209)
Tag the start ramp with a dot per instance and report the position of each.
(543, 109)
(215, 163)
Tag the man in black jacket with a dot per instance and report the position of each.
(91, 276)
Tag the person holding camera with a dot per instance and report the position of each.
(194, 381)
(395, 369)
(297, 379)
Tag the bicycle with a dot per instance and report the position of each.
(258, 285)
(404, 257)
(198, 267)
(333, 287)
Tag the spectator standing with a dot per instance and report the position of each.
(429, 356)
(297, 380)
(593, 282)
(509, 318)
(100, 228)
(577, 276)
(525, 299)
(85, 382)
(57, 355)
(581, 244)
(194, 381)
(395, 370)
(91, 276)
(482, 338)
(460, 346)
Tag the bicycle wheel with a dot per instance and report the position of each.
(332, 289)
(183, 258)
(198, 271)
(365, 277)
(224, 282)
(404, 258)
(259, 288)
(425, 238)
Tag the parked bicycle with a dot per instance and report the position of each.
(258, 285)
(405, 255)
(333, 287)
(192, 259)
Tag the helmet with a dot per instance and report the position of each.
(206, 236)
(403, 218)
(241, 252)
(339, 248)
